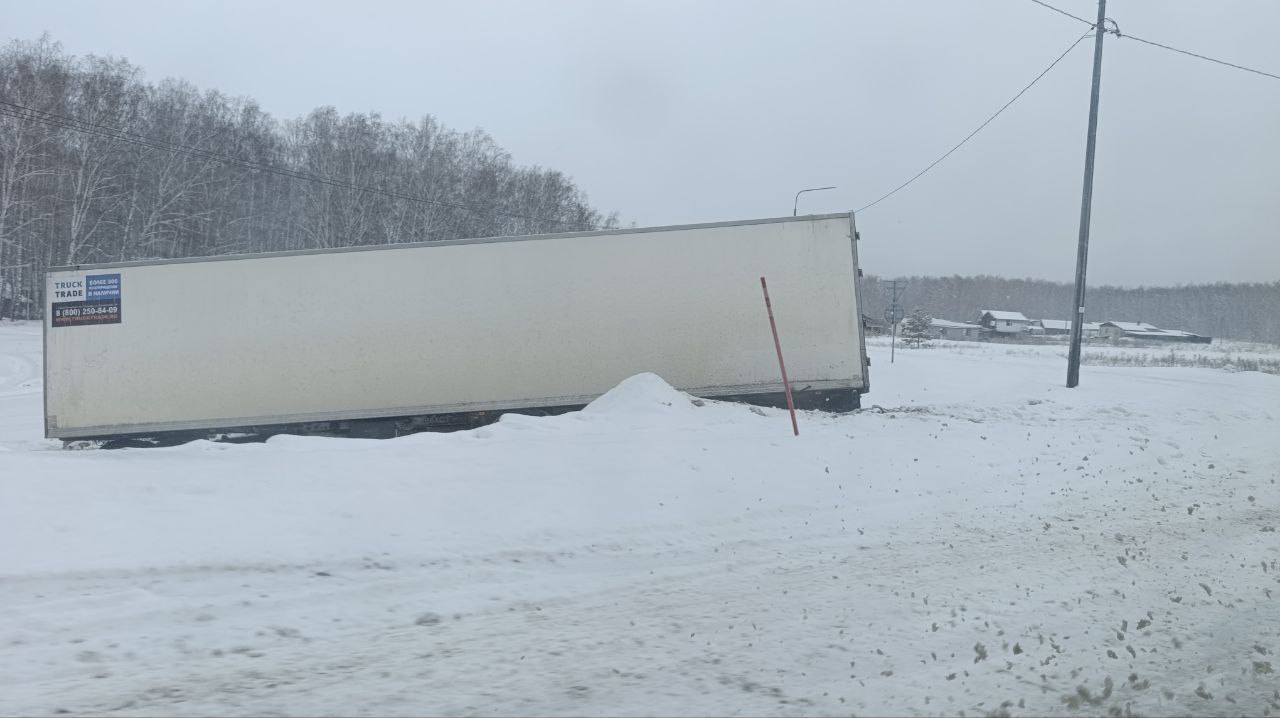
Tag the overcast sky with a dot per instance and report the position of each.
(677, 112)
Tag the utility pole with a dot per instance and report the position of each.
(1086, 203)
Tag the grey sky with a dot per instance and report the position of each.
(674, 112)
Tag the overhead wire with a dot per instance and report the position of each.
(1116, 31)
(986, 122)
(1202, 57)
(1060, 11)
(28, 113)
(23, 112)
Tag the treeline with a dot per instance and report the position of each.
(78, 185)
(1249, 312)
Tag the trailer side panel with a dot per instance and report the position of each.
(447, 327)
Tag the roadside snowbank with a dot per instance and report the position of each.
(986, 541)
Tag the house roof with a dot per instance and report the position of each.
(1092, 325)
(1003, 315)
(1063, 324)
(953, 325)
(1142, 329)
(1137, 327)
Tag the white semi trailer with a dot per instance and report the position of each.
(377, 341)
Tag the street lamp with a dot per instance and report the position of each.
(797, 202)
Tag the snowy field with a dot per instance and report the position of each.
(984, 542)
(1221, 354)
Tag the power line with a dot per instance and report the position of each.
(23, 112)
(1060, 11)
(1116, 31)
(1202, 57)
(988, 121)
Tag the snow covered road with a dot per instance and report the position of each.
(989, 542)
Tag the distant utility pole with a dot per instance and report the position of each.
(893, 315)
(1086, 202)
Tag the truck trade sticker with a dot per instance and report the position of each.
(92, 299)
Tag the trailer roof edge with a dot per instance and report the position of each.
(447, 242)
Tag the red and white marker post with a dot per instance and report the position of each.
(786, 385)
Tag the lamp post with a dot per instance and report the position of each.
(796, 204)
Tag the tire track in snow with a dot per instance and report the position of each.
(588, 657)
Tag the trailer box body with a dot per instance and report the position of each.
(443, 328)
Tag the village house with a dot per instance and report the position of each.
(944, 329)
(1062, 327)
(955, 330)
(1118, 330)
(1143, 331)
(872, 326)
(1054, 327)
(1001, 323)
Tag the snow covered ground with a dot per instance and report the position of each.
(1219, 354)
(984, 542)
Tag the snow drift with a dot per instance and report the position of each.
(985, 542)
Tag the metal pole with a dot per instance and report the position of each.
(893, 339)
(1086, 203)
(892, 314)
(796, 204)
(786, 385)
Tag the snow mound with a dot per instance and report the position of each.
(642, 393)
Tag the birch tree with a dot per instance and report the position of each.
(118, 168)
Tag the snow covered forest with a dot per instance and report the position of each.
(78, 186)
(1246, 312)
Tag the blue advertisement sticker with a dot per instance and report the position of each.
(102, 286)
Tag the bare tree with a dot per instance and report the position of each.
(96, 177)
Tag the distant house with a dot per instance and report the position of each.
(1119, 330)
(1149, 332)
(955, 330)
(1178, 335)
(943, 329)
(1062, 327)
(1000, 322)
(1056, 326)
(871, 326)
